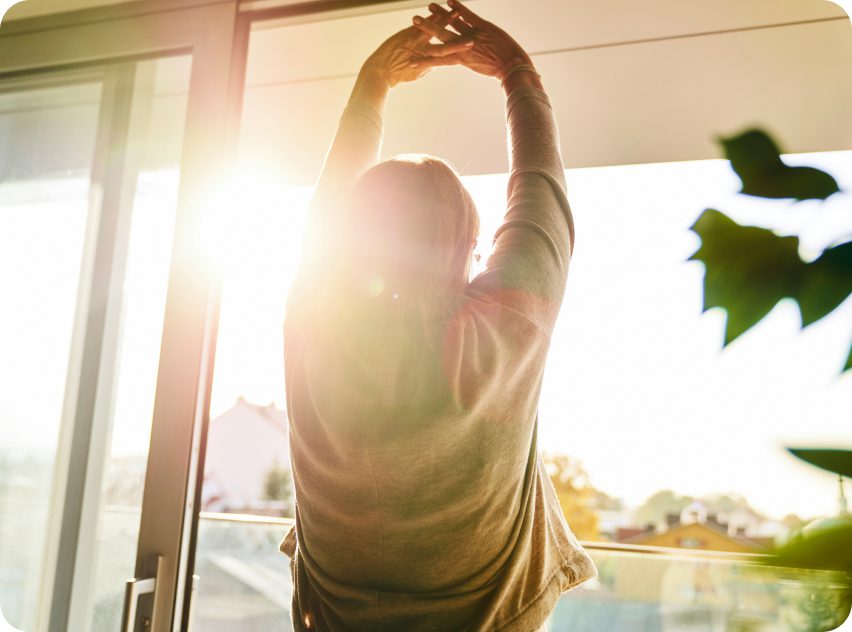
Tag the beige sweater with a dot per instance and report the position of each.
(438, 517)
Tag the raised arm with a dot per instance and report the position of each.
(529, 264)
(358, 140)
(356, 148)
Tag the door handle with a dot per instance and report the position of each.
(134, 589)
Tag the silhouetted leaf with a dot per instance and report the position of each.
(756, 159)
(748, 270)
(824, 544)
(827, 284)
(837, 461)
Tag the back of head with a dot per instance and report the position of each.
(398, 270)
(409, 226)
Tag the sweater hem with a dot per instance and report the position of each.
(536, 612)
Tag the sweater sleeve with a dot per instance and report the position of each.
(529, 264)
(496, 344)
(355, 149)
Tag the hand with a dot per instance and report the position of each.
(391, 61)
(493, 54)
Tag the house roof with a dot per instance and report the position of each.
(717, 530)
(243, 445)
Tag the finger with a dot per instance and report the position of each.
(450, 18)
(469, 16)
(443, 50)
(433, 29)
(441, 15)
(432, 62)
(461, 26)
(440, 20)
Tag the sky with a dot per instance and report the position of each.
(637, 385)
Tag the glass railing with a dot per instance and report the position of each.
(244, 585)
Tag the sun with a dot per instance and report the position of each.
(253, 237)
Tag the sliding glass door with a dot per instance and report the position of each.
(113, 131)
(45, 184)
(88, 192)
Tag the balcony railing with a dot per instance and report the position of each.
(245, 586)
(244, 583)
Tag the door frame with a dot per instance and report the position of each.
(95, 38)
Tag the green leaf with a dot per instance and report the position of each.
(756, 159)
(827, 283)
(824, 544)
(837, 461)
(748, 270)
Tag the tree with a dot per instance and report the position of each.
(575, 493)
(793, 523)
(604, 502)
(659, 505)
(278, 486)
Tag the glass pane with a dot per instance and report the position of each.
(258, 261)
(155, 140)
(246, 586)
(245, 582)
(45, 161)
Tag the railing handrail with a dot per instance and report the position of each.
(246, 518)
(611, 547)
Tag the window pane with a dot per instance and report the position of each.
(133, 351)
(258, 257)
(45, 161)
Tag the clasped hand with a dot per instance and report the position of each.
(463, 37)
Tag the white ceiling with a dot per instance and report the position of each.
(542, 25)
(631, 82)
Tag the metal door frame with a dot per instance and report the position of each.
(97, 38)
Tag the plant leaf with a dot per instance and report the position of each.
(824, 544)
(827, 284)
(756, 159)
(837, 461)
(748, 270)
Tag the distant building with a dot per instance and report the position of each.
(697, 528)
(612, 522)
(243, 445)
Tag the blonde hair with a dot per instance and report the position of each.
(403, 247)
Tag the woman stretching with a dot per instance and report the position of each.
(421, 500)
